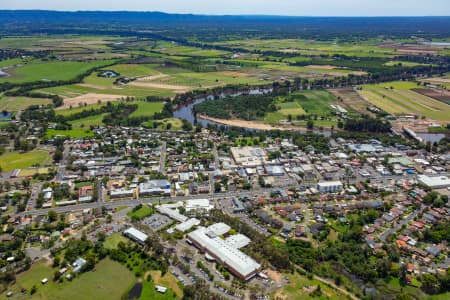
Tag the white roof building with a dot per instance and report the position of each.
(185, 226)
(198, 204)
(225, 251)
(136, 235)
(171, 210)
(437, 182)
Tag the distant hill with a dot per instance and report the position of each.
(36, 21)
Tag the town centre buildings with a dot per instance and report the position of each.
(225, 251)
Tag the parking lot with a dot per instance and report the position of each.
(157, 221)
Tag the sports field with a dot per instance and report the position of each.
(109, 281)
(15, 160)
(398, 98)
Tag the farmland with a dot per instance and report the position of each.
(80, 127)
(20, 103)
(398, 98)
(37, 70)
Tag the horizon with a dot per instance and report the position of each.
(229, 15)
(282, 8)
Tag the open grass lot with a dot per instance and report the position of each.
(149, 292)
(32, 171)
(20, 103)
(301, 287)
(36, 70)
(398, 98)
(141, 213)
(80, 127)
(109, 281)
(15, 160)
(168, 280)
(74, 110)
(113, 240)
(403, 63)
(175, 124)
(147, 109)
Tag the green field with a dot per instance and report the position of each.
(74, 110)
(305, 103)
(175, 124)
(147, 109)
(20, 103)
(301, 287)
(397, 98)
(403, 63)
(37, 70)
(133, 70)
(109, 281)
(141, 213)
(15, 160)
(80, 127)
(113, 240)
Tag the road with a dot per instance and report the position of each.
(162, 160)
(35, 190)
(387, 233)
(129, 202)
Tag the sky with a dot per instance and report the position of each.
(249, 7)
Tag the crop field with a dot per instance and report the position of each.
(134, 70)
(37, 70)
(20, 103)
(440, 95)
(305, 103)
(311, 47)
(351, 100)
(399, 98)
(15, 160)
(109, 281)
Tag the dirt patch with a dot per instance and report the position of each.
(250, 124)
(324, 67)
(440, 95)
(437, 80)
(176, 88)
(275, 276)
(154, 77)
(90, 98)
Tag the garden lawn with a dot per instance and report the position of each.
(141, 213)
(15, 160)
(113, 240)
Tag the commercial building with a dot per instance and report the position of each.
(171, 210)
(185, 226)
(329, 186)
(437, 182)
(225, 251)
(201, 206)
(154, 187)
(136, 235)
(249, 156)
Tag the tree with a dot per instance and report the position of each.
(310, 124)
(52, 216)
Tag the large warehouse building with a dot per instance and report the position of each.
(225, 251)
(437, 182)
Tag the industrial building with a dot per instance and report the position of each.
(154, 187)
(249, 156)
(225, 251)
